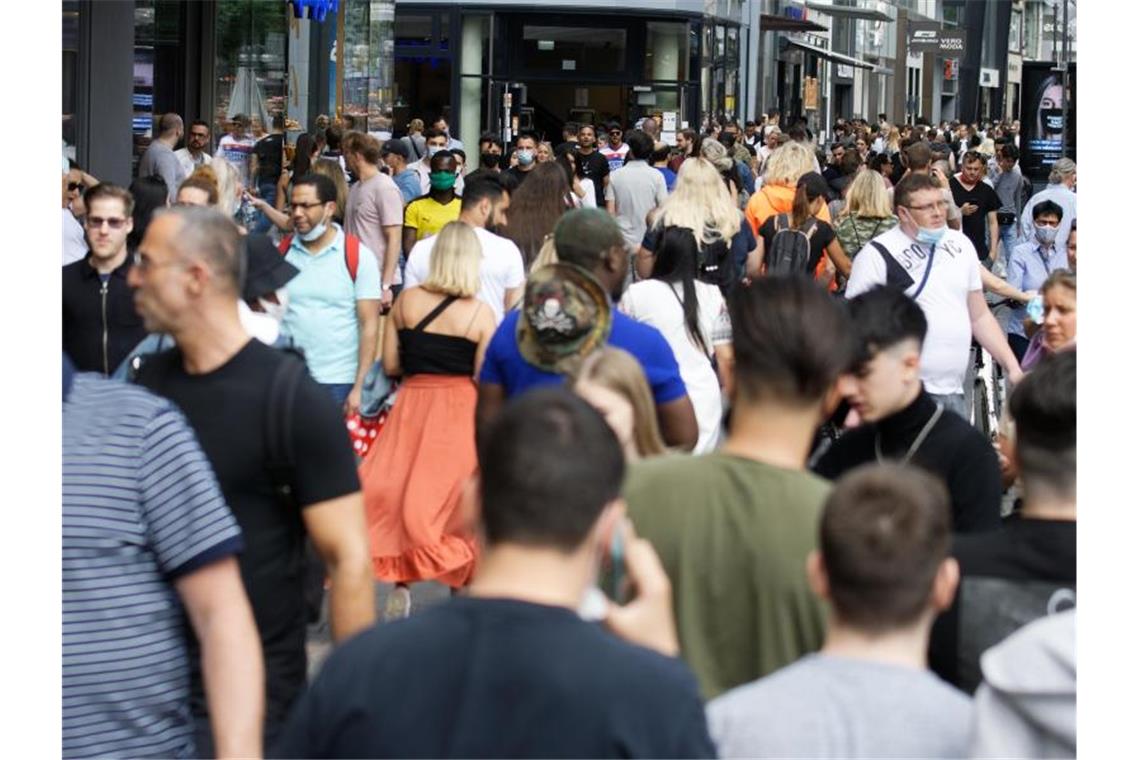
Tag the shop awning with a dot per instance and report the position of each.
(832, 55)
(849, 12)
(772, 23)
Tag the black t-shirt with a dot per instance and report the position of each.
(269, 156)
(1009, 578)
(227, 408)
(595, 168)
(497, 678)
(953, 451)
(974, 225)
(517, 175)
(820, 239)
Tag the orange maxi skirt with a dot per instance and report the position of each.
(413, 477)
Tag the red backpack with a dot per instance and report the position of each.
(351, 251)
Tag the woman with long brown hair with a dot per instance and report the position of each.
(810, 197)
(536, 206)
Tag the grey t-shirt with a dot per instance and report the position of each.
(160, 159)
(636, 188)
(827, 706)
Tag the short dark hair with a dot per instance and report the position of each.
(1044, 410)
(570, 127)
(484, 186)
(587, 125)
(326, 189)
(440, 155)
(492, 138)
(1009, 150)
(791, 339)
(431, 132)
(200, 123)
(527, 134)
(1047, 207)
(640, 144)
(918, 155)
(797, 133)
(972, 156)
(333, 136)
(885, 531)
(613, 125)
(883, 317)
(278, 121)
(549, 465)
(108, 190)
(914, 183)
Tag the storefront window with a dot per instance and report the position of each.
(413, 30)
(667, 51)
(251, 63)
(142, 117)
(70, 73)
(368, 75)
(591, 50)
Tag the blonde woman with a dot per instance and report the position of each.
(701, 203)
(614, 383)
(331, 169)
(544, 152)
(786, 165)
(435, 339)
(229, 185)
(866, 213)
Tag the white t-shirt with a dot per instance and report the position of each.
(589, 200)
(656, 303)
(501, 270)
(74, 241)
(946, 351)
(188, 162)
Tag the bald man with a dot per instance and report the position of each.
(159, 158)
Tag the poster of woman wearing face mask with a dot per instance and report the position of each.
(1046, 130)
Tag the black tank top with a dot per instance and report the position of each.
(424, 353)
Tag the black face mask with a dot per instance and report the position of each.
(489, 160)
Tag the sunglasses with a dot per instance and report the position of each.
(73, 186)
(96, 222)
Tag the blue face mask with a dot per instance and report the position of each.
(931, 235)
(315, 233)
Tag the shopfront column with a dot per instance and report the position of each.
(106, 48)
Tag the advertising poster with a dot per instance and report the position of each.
(1043, 120)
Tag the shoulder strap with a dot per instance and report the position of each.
(279, 425)
(431, 315)
(811, 227)
(781, 218)
(897, 276)
(351, 254)
(284, 245)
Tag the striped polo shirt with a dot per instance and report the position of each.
(141, 507)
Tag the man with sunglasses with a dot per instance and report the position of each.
(100, 324)
(937, 267)
(194, 154)
(616, 149)
(76, 181)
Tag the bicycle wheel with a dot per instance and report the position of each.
(980, 409)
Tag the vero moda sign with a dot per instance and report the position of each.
(930, 37)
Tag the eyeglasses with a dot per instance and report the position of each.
(306, 206)
(145, 265)
(943, 205)
(96, 222)
(201, 135)
(73, 186)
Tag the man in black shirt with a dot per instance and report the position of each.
(526, 151)
(594, 165)
(100, 324)
(901, 420)
(265, 166)
(274, 438)
(979, 204)
(511, 670)
(1028, 569)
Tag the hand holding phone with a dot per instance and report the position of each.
(647, 619)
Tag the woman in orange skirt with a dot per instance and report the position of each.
(413, 475)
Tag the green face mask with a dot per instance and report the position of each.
(441, 180)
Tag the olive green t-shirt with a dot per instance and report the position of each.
(734, 535)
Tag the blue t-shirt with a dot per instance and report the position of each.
(669, 175)
(409, 183)
(505, 366)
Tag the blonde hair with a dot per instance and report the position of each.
(788, 163)
(867, 196)
(893, 139)
(331, 169)
(618, 371)
(547, 254)
(229, 185)
(455, 260)
(416, 125)
(701, 203)
(717, 154)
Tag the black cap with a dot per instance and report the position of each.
(395, 146)
(266, 269)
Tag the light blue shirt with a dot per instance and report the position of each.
(409, 183)
(1063, 197)
(1030, 265)
(321, 316)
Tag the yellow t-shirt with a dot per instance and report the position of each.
(428, 216)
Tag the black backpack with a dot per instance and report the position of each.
(791, 247)
(716, 267)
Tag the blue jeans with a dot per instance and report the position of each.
(268, 193)
(338, 391)
(1008, 241)
(954, 402)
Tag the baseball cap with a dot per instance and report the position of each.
(584, 235)
(565, 316)
(394, 146)
(266, 269)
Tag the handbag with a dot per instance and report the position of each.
(377, 396)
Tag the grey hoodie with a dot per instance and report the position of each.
(1026, 705)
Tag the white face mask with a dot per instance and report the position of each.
(276, 310)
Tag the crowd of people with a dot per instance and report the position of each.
(683, 428)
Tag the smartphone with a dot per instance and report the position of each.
(617, 563)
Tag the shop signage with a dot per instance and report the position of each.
(811, 94)
(1047, 131)
(988, 78)
(930, 37)
(317, 9)
(844, 71)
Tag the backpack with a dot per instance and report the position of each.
(715, 265)
(791, 247)
(351, 252)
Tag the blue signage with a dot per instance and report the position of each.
(318, 9)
